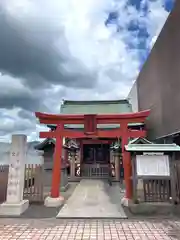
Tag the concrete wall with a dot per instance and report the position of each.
(133, 97)
(158, 83)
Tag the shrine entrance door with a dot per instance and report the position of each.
(95, 162)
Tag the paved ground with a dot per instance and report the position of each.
(94, 199)
(38, 210)
(21, 229)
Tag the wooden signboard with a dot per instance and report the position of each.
(152, 165)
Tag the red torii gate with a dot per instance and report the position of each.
(90, 131)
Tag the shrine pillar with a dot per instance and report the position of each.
(127, 166)
(55, 199)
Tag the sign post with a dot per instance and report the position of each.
(152, 165)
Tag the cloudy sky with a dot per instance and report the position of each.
(73, 49)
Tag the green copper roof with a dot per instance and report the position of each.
(96, 107)
(152, 147)
(140, 140)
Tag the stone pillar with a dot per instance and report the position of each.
(15, 205)
(117, 166)
(73, 165)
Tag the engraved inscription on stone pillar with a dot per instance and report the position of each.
(16, 169)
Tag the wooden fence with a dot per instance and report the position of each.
(160, 190)
(157, 190)
(33, 182)
(4, 170)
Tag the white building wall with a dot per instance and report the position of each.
(133, 98)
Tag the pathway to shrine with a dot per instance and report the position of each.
(94, 199)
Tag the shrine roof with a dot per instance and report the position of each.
(44, 143)
(96, 107)
(49, 141)
(140, 140)
(152, 147)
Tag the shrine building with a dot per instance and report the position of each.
(91, 135)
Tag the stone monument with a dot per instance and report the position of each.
(15, 205)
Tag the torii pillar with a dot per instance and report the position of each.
(55, 199)
(127, 166)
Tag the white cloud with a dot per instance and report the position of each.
(155, 20)
(96, 50)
